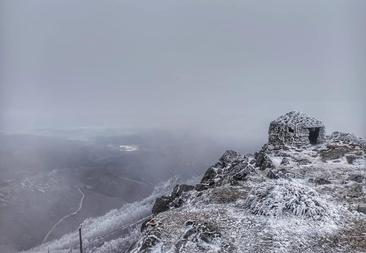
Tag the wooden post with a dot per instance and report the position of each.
(80, 240)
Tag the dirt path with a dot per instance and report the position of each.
(66, 216)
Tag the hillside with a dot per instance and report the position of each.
(309, 199)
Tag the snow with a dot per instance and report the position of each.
(128, 148)
(276, 161)
(295, 118)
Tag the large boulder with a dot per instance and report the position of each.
(262, 159)
(231, 156)
(356, 178)
(231, 168)
(209, 176)
(202, 236)
(180, 188)
(175, 199)
(361, 208)
(161, 204)
(334, 152)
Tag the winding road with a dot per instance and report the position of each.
(66, 216)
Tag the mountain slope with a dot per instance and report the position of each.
(283, 199)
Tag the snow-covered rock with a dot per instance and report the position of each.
(289, 198)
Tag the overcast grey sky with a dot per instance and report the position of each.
(220, 67)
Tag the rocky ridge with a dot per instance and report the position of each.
(281, 199)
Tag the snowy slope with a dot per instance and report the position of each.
(283, 199)
(117, 229)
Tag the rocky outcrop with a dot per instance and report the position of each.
(347, 138)
(232, 167)
(175, 199)
(308, 198)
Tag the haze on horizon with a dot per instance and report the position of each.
(224, 68)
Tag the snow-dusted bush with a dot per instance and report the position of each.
(119, 244)
(286, 198)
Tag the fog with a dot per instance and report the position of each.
(41, 176)
(224, 68)
(179, 81)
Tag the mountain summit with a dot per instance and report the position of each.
(302, 192)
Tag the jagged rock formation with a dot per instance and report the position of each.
(289, 197)
(296, 128)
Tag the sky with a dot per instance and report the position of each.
(224, 68)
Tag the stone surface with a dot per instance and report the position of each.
(209, 175)
(334, 152)
(296, 129)
(161, 204)
(351, 158)
(303, 161)
(356, 178)
(347, 138)
(180, 188)
(361, 208)
(230, 156)
(285, 161)
(262, 159)
(321, 181)
(355, 191)
(272, 175)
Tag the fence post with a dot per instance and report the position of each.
(80, 240)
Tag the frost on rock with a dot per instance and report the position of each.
(231, 168)
(296, 128)
(283, 198)
(202, 236)
(347, 138)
